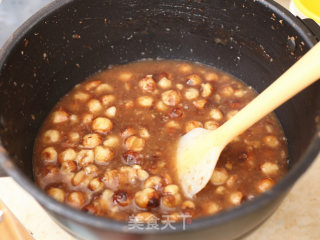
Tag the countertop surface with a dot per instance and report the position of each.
(297, 218)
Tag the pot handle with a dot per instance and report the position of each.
(312, 26)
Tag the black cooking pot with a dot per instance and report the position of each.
(69, 40)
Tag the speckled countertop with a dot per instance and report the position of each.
(297, 218)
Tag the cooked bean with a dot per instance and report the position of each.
(96, 184)
(191, 93)
(60, 116)
(171, 189)
(81, 96)
(91, 140)
(103, 155)
(211, 208)
(74, 119)
(111, 178)
(216, 114)
(239, 93)
(92, 85)
(200, 103)
(111, 141)
(107, 100)
(128, 175)
(164, 83)
(67, 155)
(236, 198)
(179, 86)
(269, 168)
(161, 106)
(76, 199)
(271, 141)
(85, 157)
(231, 180)
(228, 165)
(147, 198)
(57, 193)
(206, 90)
(193, 80)
(68, 166)
(127, 132)
(192, 124)
(51, 136)
(188, 204)
(74, 137)
(78, 178)
(211, 77)
(94, 106)
(105, 200)
(145, 101)
(219, 176)
(144, 133)
(111, 112)
(252, 143)
(136, 167)
(269, 128)
(102, 125)
(142, 174)
(211, 125)
(265, 184)
(49, 154)
(161, 164)
(147, 84)
(103, 88)
(171, 200)
(154, 182)
(91, 170)
(87, 118)
(220, 190)
(135, 143)
(122, 198)
(170, 97)
(227, 91)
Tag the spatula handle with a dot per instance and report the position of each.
(302, 74)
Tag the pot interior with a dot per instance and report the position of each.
(243, 38)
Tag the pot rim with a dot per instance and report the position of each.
(108, 224)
